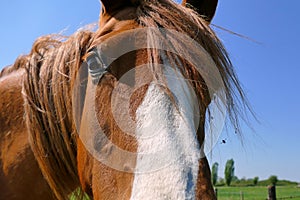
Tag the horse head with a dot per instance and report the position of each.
(124, 110)
(142, 122)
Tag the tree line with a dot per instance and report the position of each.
(229, 176)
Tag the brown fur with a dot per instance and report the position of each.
(20, 176)
(51, 68)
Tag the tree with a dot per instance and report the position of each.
(235, 179)
(214, 173)
(221, 182)
(229, 171)
(255, 180)
(273, 180)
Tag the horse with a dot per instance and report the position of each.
(82, 114)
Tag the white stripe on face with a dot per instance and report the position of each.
(168, 134)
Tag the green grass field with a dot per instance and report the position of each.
(250, 193)
(256, 193)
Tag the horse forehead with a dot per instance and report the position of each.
(123, 16)
(112, 28)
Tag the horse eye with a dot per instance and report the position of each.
(96, 67)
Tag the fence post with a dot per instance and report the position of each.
(216, 192)
(272, 192)
(241, 195)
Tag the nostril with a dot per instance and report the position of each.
(190, 182)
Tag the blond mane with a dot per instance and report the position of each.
(51, 69)
(169, 15)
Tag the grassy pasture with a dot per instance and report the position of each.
(256, 193)
(249, 193)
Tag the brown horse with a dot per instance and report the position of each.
(62, 120)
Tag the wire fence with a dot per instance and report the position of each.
(290, 197)
(252, 193)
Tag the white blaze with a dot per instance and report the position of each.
(168, 133)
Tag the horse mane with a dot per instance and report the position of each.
(167, 14)
(19, 64)
(51, 68)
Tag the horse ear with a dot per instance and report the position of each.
(205, 8)
(111, 5)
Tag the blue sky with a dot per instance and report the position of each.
(268, 71)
